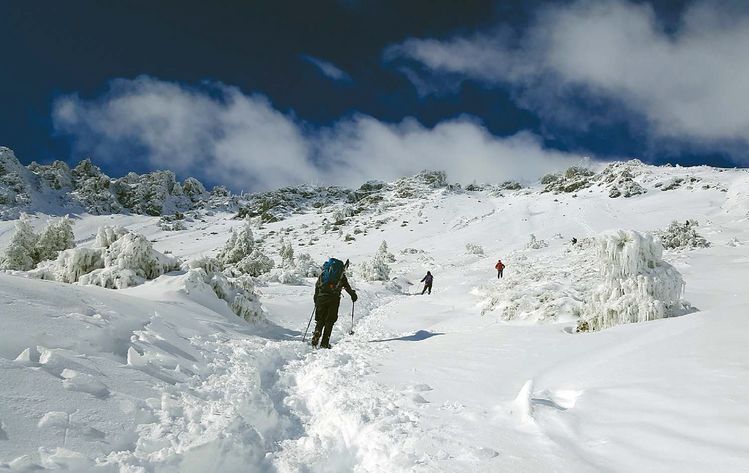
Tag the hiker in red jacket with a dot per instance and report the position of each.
(500, 266)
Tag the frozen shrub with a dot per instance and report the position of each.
(120, 259)
(377, 269)
(306, 267)
(207, 264)
(73, 263)
(107, 235)
(255, 264)
(535, 244)
(135, 252)
(287, 276)
(112, 278)
(383, 252)
(238, 293)
(684, 235)
(239, 245)
(637, 284)
(474, 249)
(287, 254)
(20, 252)
(54, 238)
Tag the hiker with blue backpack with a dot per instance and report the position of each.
(327, 299)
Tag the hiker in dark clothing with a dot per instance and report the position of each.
(427, 283)
(327, 299)
(500, 266)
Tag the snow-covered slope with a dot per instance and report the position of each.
(484, 374)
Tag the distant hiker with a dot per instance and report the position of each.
(328, 298)
(574, 241)
(427, 280)
(500, 266)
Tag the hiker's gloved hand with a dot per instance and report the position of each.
(354, 297)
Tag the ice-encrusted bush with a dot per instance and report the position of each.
(107, 235)
(384, 253)
(206, 263)
(294, 272)
(134, 251)
(72, 264)
(19, 255)
(255, 264)
(287, 254)
(377, 269)
(306, 267)
(118, 260)
(683, 235)
(56, 237)
(535, 244)
(27, 249)
(239, 245)
(203, 275)
(637, 284)
(129, 261)
(474, 249)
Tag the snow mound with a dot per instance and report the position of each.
(637, 284)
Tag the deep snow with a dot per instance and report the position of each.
(482, 375)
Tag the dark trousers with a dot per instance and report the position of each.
(499, 273)
(427, 287)
(326, 315)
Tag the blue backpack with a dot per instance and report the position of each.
(332, 271)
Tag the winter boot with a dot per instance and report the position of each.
(315, 338)
(327, 345)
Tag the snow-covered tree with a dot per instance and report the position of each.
(306, 267)
(383, 252)
(239, 245)
(684, 235)
(637, 284)
(255, 264)
(377, 269)
(56, 237)
(107, 235)
(20, 252)
(287, 254)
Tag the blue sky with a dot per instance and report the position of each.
(261, 94)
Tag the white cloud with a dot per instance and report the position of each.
(220, 134)
(226, 137)
(327, 69)
(689, 84)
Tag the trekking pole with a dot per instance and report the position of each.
(351, 332)
(308, 323)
